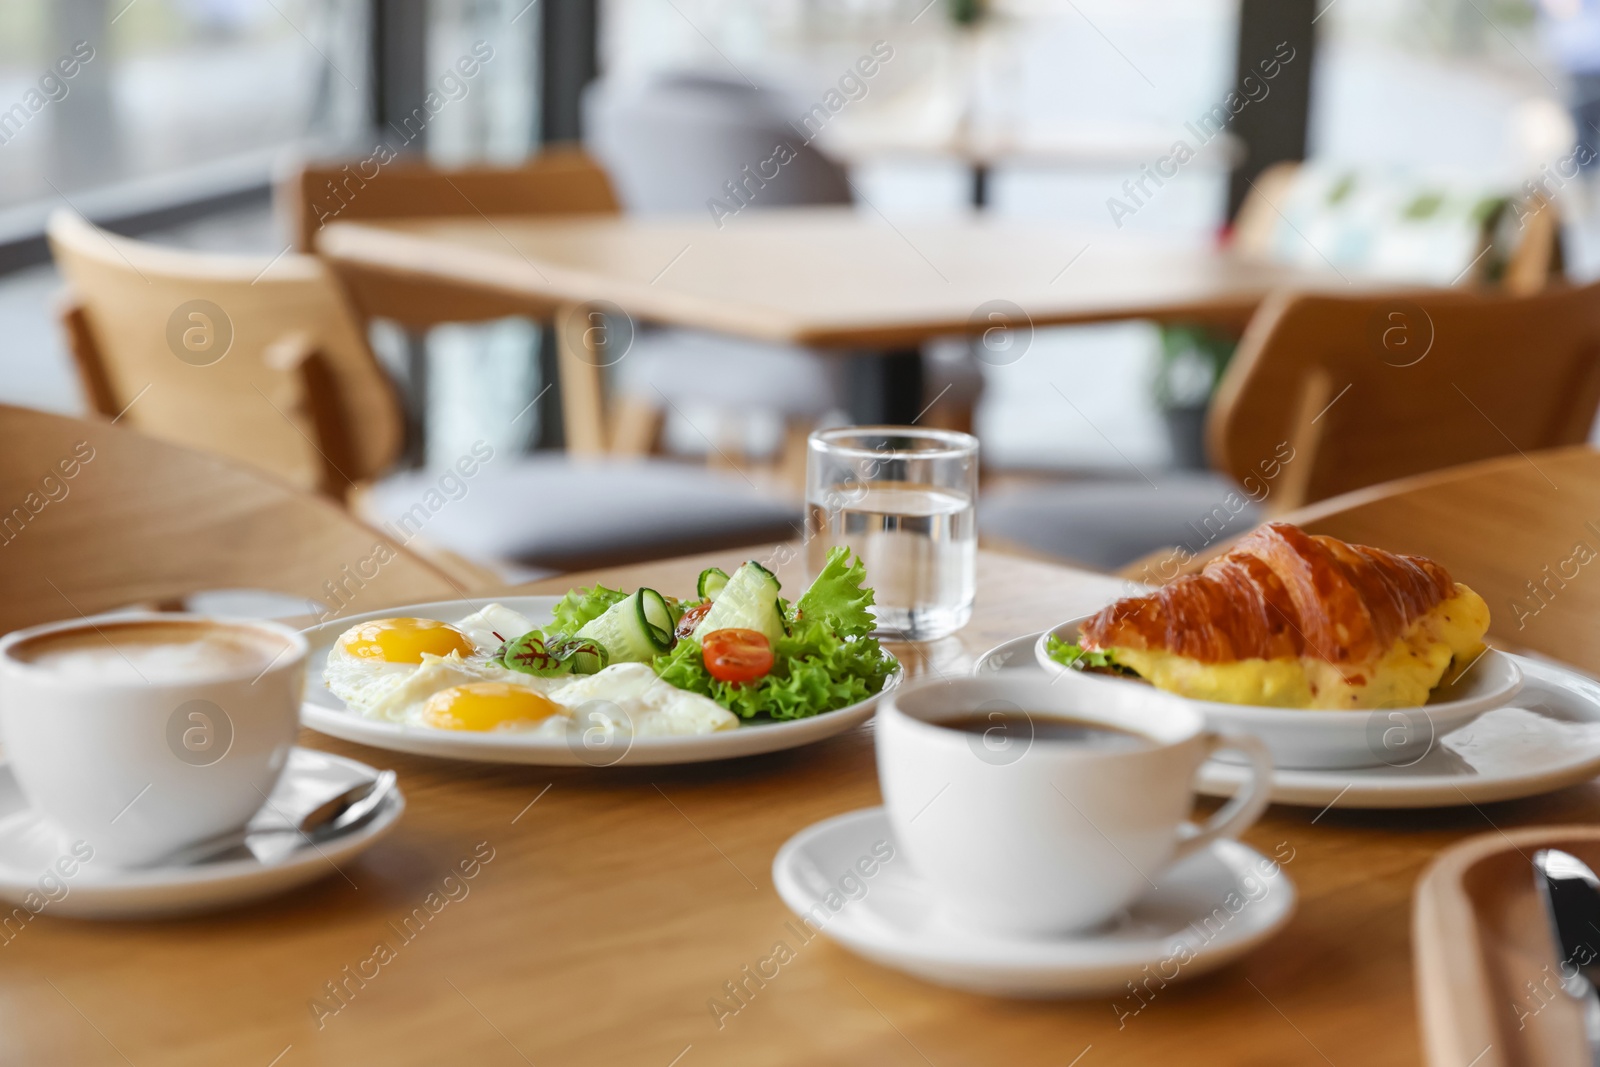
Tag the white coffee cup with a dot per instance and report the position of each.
(140, 763)
(1028, 836)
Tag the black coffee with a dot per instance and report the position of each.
(1021, 727)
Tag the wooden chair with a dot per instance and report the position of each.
(558, 181)
(99, 517)
(1328, 394)
(598, 417)
(265, 361)
(1369, 388)
(1258, 219)
(1522, 530)
(1520, 250)
(227, 353)
(555, 182)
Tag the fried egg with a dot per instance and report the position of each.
(402, 699)
(373, 656)
(429, 673)
(402, 640)
(630, 698)
(491, 706)
(493, 626)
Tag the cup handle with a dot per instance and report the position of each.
(1245, 806)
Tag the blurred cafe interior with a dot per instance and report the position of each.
(540, 531)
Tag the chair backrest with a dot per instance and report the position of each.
(554, 182)
(558, 181)
(1258, 221)
(1369, 388)
(97, 517)
(256, 358)
(1403, 227)
(1521, 530)
(672, 144)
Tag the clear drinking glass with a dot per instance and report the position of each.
(903, 498)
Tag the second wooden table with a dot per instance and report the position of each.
(829, 277)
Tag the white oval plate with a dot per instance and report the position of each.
(1546, 738)
(890, 917)
(31, 847)
(326, 713)
(1323, 740)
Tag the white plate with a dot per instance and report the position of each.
(326, 713)
(1323, 740)
(1204, 912)
(1546, 739)
(30, 850)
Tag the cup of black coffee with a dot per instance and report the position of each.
(1031, 810)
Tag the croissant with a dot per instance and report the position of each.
(1295, 620)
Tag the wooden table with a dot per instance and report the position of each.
(617, 903)
(832, 277)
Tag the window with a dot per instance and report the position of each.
(101, 95)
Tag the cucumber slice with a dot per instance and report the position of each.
(712, 581)
(657, 617)
(749, 601)
(635, 629)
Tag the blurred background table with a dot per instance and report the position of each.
(869, 143)
(827, 277)
(823, 276)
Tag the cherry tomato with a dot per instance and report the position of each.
(735, 655)
(691, 619)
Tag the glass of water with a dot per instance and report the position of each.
(903, 498)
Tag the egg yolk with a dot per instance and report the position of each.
(486, 706)
(404, 640)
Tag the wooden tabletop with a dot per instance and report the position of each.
(609, 906)
(821, 276)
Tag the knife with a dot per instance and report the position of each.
(1571, 893)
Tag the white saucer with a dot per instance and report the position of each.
(326, 713)
(1205, 912)
(1546, 738)
(32, 850)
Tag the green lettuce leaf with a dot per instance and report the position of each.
(814, 670)
(838, 599)
(580, 607)
(1081, 659)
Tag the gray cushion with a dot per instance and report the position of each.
(1107, 525)
(552, 511)
(695, 369)
(672, 142)
(950, 371)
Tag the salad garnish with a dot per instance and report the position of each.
(736, 641)
(535, 653)
(582, 606)
(1079, 658)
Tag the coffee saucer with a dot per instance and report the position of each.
(44, 871)
(1545, 738)
(1203, 913)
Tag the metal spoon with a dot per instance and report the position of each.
(332, 817)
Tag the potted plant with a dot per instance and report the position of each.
(1191, 363)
